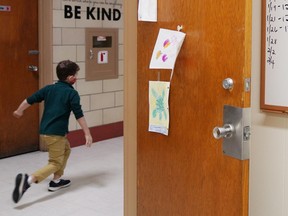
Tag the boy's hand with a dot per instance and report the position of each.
(89, 140)
(88, 137)
(20, 110)
(17, 114)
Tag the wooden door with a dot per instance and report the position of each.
(186, 173)
(19, 34)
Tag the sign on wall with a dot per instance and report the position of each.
(92, 9)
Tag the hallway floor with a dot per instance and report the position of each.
(96, 189)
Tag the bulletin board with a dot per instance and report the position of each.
(274, 56)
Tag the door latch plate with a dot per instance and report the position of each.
(237, 146)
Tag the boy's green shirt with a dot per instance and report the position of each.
(59, 100)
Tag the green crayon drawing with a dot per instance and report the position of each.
(159, 109)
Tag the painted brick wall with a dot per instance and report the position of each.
(102, 100)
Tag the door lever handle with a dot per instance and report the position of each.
(91, 54)
(33, 68)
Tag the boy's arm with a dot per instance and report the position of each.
(83, 125)
(20, 110)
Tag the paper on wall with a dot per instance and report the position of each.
(147, 10)
(166, 49)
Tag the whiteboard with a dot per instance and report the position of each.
(274, 66)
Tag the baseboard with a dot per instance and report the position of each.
(99, 133)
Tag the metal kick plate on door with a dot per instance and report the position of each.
(238, 144)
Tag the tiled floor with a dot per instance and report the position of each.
(96, 175)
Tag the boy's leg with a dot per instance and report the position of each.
(58, 183)
(58, 156)
(56, 149)
(21, 185)
(67, 152)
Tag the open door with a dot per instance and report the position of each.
(186, 172)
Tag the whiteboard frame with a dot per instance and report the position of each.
(263, 105)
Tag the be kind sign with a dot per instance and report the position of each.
(92, 10)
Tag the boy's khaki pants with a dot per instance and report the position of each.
(59, 151)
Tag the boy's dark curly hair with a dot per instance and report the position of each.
(66, 68)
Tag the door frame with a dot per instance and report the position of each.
(130, 88)
(45, 25)
(130, 111)
(45, 37)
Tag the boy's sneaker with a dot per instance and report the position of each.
(56, 186)
(21, 185)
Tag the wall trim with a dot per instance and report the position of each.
(99, 133)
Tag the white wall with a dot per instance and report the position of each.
(269, 146)
(102, 100)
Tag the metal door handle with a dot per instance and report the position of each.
(228, 84)
(223, 132)
(91, 54)
(33, 68)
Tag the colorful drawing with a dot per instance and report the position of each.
(166, 43)
(159, 107)
(166, 49)
(164, 58)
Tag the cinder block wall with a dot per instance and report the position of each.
(102, 100)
